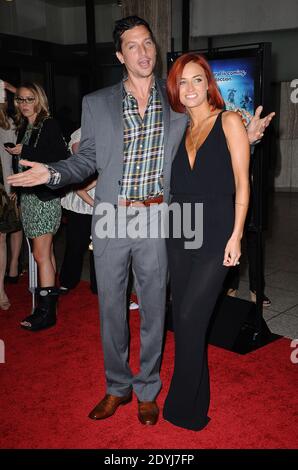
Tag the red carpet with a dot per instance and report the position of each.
(52, 379)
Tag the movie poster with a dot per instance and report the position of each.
(235, 78)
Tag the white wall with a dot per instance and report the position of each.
(54, 25)
(217, 17)
(37, 21)
(73, 25)
(286, 170)
(105, 17)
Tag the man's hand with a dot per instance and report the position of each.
(38, 174)
(257, 126)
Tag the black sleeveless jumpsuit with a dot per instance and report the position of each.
(197, 275)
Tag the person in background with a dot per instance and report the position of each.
(9, 214)
(39, 140)
(8, 135)
(232, 281)
(78, 205)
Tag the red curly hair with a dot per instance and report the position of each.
(173, 83)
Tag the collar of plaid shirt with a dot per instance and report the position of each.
(143, 147)
(128, 93)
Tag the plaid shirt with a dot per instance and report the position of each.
(143, 148)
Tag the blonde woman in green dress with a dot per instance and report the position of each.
(39, 140)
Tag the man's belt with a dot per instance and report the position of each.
(145, 202)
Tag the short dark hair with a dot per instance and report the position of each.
(124, 24)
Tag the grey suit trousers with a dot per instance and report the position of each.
(149, 263)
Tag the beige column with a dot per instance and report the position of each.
(158, 14)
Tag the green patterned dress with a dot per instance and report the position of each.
(39, 217)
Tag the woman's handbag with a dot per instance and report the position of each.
(9, 213)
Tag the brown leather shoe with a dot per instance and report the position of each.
(148, 412)
(108, 405)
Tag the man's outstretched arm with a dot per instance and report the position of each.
(73, 170)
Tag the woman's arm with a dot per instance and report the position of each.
(238, 145)
(8, 86)
(6, 159)
(75, 147)
(84, 194)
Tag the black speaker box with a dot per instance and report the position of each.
(234, 326)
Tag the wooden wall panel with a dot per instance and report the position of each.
(158, 14)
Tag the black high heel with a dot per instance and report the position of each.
(266, 301)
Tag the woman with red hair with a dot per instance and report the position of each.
(211, 169)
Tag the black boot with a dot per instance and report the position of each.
(44, 315)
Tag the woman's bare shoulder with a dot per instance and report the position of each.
(231, 119)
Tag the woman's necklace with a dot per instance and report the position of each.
(193, 141)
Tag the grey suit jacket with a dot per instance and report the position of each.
(101, 146)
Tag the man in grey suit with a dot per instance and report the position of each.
(130, 136)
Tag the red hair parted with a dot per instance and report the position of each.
(173, 83)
